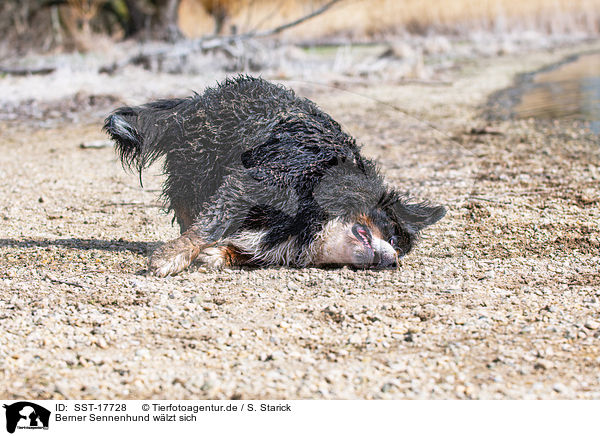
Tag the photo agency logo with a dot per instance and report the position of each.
(24, 415)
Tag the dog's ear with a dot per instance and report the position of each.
(417, 216)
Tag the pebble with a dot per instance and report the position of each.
(559, 387)
(542, 364)
(143, 353)
(101, 342)
(387, 387)
(354, 339)
(293, 286)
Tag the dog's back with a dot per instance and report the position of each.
(205, 137)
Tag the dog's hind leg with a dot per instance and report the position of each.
(176, 255)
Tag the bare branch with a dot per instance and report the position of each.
(300, 20)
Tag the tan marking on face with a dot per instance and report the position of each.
(368, 222)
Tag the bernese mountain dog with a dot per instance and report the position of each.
(258, 176)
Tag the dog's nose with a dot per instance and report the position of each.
(392, 264)
(385, 261)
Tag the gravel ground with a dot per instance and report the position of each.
(499, 300)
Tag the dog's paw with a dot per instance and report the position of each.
(174, 256)
(164, 266)
(213, 258)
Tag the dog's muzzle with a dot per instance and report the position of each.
(376, 253)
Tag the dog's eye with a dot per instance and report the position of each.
(394, 241)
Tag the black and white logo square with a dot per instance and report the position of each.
(24, 415)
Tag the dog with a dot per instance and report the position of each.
(258, 176)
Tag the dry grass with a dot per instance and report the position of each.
(362, 18)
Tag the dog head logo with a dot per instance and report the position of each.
(26, 415)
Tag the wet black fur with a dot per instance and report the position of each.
(249, 154)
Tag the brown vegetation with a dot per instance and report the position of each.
(362, 18)
(76, 24)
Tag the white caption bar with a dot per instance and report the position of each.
(29, 417)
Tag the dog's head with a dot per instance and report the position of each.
(378, 238)
(370, 225)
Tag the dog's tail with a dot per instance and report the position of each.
(144, 133)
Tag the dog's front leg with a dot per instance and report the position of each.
(176, 255)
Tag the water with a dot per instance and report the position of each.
(569, 91)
